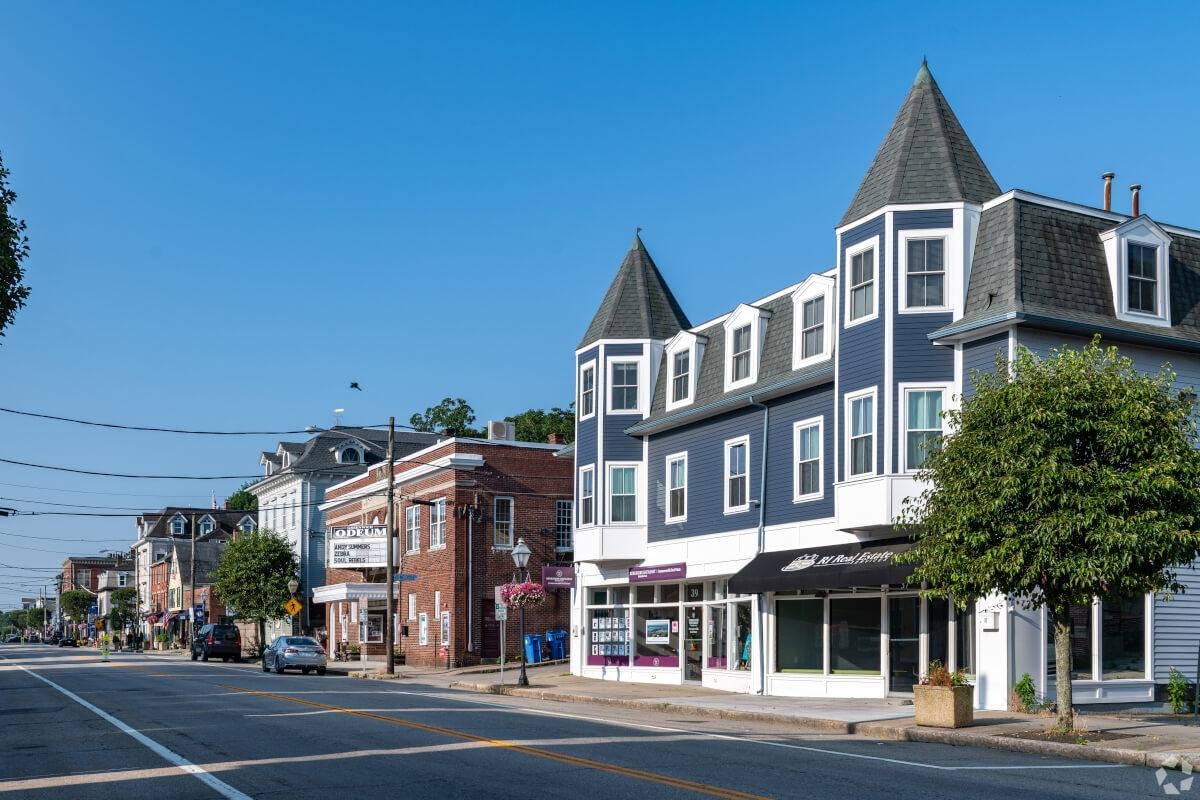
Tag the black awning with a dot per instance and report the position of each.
(837, 567)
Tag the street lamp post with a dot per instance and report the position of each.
(520, 556)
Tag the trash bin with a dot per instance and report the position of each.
(558, 644)
(533, 648)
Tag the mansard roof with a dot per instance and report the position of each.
(1043, 260)
(638, 305)
(926, 157)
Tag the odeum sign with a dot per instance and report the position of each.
(357, 546)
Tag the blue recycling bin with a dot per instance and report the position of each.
(533, 648)
(558, 644)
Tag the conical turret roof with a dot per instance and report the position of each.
(638, 304)
(926, 157)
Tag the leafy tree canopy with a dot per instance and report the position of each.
(453, 413)
(536, 425)
(1065, 478)
(122, 607)
(253, 574)
(14, 248)
(242, 500)
(75, 604)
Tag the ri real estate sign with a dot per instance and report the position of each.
(357, 546)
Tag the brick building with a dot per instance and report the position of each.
(461, 506)
(83, 572)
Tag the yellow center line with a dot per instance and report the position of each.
(562, 758)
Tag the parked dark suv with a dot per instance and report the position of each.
(221, 641)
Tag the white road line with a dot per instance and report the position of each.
(217, 785)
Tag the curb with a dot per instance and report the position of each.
(900, 731)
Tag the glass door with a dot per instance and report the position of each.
(693, 642)
(904, 635)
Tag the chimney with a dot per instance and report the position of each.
(556, 438)
(1136, 189)
(1108, 179)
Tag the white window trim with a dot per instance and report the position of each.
(1143, 231)
(730, 444)
(743, 316)
(178, 518)
(950, 269)
(641, 388)
(1162, 265)
(512, 522)
(412, 606)
(591, 469)
(847, 402)
(819, 423)
(670, 520)
(417, 549)
(1097, 644)
(589, 364)
(441, 546)
(904, 390)
(684, 341)
(637, 499)
(870, 244)
(571, 522)
(812, 288)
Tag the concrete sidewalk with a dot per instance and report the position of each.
(1145, 741)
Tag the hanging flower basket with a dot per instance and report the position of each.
(522, 595)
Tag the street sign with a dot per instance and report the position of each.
(501, 613)
(403, 577)
(292, 606)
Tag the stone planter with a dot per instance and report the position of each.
(944, 706)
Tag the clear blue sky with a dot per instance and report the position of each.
(235, 210)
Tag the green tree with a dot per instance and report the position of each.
(242, 500)
(14, 248)
(75, 604)
(1066, 478)
(252, 576)
(122, 608)
(536, 425)
(453, 413)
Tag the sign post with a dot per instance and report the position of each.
(502, 618)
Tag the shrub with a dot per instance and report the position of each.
(939, 675)
(1177, 691)
(1026, 694)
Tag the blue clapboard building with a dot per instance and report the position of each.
(737, 479)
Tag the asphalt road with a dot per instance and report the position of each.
(158, 727)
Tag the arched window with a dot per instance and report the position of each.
(349, 456)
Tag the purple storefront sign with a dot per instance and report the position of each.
(558, 577)
(663, 572)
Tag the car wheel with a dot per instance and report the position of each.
(305, 670)
(237, 659)
(320, 670)
(265, 666)
(224, 659)
(193, 655)
(278, 668)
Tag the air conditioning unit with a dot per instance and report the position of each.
(499, 430)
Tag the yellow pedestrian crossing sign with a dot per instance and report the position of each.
(292, 606)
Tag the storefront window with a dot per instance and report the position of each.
(668, 593)
(373, 630)
(939, 630)
(964, 639)
(645, 594)
(800, 635)
(854, 631)
(619, 596)
(742, 627)
(1123, 647)
(609, 637)
(657, 630)
(1081, 644)
(694, 593)
(718, 638)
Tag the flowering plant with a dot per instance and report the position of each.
(522, 595)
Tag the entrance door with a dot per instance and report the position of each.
(904, 633)
(693, 642)
(490, 643)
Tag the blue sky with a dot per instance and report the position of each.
(235, 211)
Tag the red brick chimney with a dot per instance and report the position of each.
(1136, 189)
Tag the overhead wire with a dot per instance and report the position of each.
(152, 429)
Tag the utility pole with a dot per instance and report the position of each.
(192, 585)
(389, 621)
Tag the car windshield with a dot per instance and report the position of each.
(306, 641)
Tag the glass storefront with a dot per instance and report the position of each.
(1120, 641)
(718, 637)
(854, 631)
(799, 636)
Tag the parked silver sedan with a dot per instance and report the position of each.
(301, 652)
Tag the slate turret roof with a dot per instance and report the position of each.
(639, 304)
(926, 157)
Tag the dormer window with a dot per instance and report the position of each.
(681, 368)
(1143, 278)
(741, 354)
(206, 525)
(350, 455)
(246, 525)
(683, 355)
(177, 525)
(812, 307)
(812, 332)
(745, 331)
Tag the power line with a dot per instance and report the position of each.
(57, 539)
(111, 494)
(127, 475)
(159, 430)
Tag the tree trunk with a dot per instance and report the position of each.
(1062, 668)
(262, 635)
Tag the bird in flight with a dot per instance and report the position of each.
(354, 385)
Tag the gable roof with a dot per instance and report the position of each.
(925, 157)
(1038, 261)
(638, 304)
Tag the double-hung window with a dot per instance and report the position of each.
(624, 386)
(926, 278)
(812, 332)
(622, 494)
(862, 435)
(862, 284)
(1143, 278)
(741, 354)
(502, 522)
(587, 496)
(677, 488)
(437, 524)
(563, 514)
(808, 449)
(412, 529)
(587, 391)
(177, 524)
(923, 425)
(681, 367)
(737, 475)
